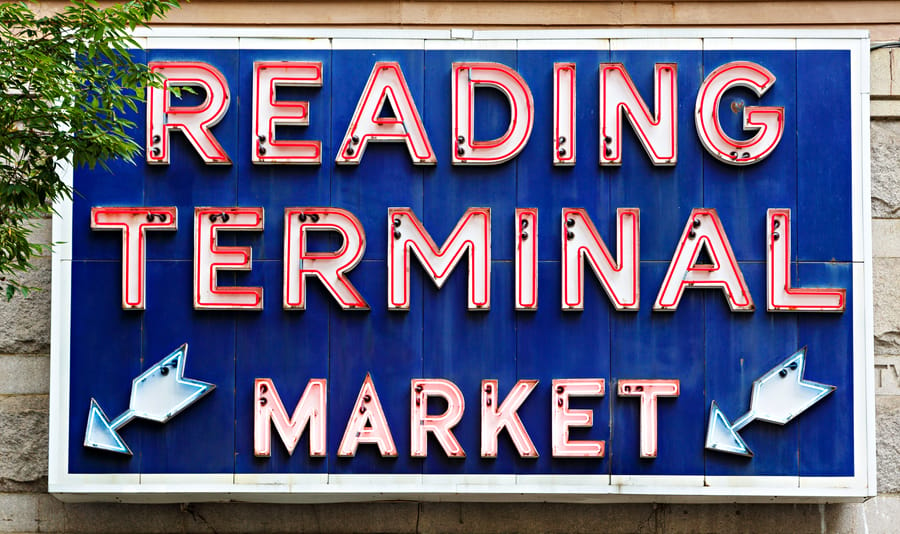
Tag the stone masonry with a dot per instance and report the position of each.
(25, 505)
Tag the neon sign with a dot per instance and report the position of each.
(504, 268)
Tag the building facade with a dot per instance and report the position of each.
(26, 506)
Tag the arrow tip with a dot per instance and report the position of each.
(721, 436)
(100, 433)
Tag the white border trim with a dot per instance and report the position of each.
(556, 488)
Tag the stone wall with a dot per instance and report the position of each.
(25, 505)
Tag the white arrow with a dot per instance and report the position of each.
(778, 396)
(158, 394)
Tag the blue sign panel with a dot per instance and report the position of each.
(567, 267)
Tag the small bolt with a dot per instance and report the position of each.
(301, 216)
(461, 139)
(734, 155)
(570, 235)
(775, 236)
(608, 152)
(562, 139)
(263, 388)
(745, 155)
(355, 139)
(782, 373)
(487, 387)
(397, 222)
(419, 388)
(524, 223)
(262, 138)
(156, 139)
(524, 236)
(349, 151)
(607, 139)
(314, 217)
(560, 389)
(487, 402)
(460, 151)
(164, 371)
(562, 152)
(696, 223)
(559, 402)
(570, 222)
(362, 409)
(367, 398)
(156, 151)
(777, 223)
(692, 234)
(396, 234)
(262, 151)
(418, 402)
(263, 401)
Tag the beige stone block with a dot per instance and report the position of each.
(886, 238)
(25, 321)
(19, 512)
(537, 517)
(116, 517)
(881, 514)
(887, 444)
(24, 374)
(885, 171)
(884, 109)
(23, 437)
(881, 72)
(351, 517)
(843, 518)
(887, 375)
(886, 296)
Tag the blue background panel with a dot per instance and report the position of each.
(823, 160)
(187, 182)
(389, 346)
(665, 194)
(451, 189)
(742, 194)
(105, 357)
(715, 353)
(656, 345)
(385, 166)
(276, 187)
(541, 185)
(286, 346)
(121, 185)
(827, 428)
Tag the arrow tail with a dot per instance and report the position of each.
(161, 392)
(782, 393)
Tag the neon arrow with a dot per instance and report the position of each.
(158, 394)
(778, 397)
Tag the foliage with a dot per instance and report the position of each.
(66, 82)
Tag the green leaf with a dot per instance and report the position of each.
(74, 77)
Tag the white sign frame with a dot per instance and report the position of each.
(315, 488)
